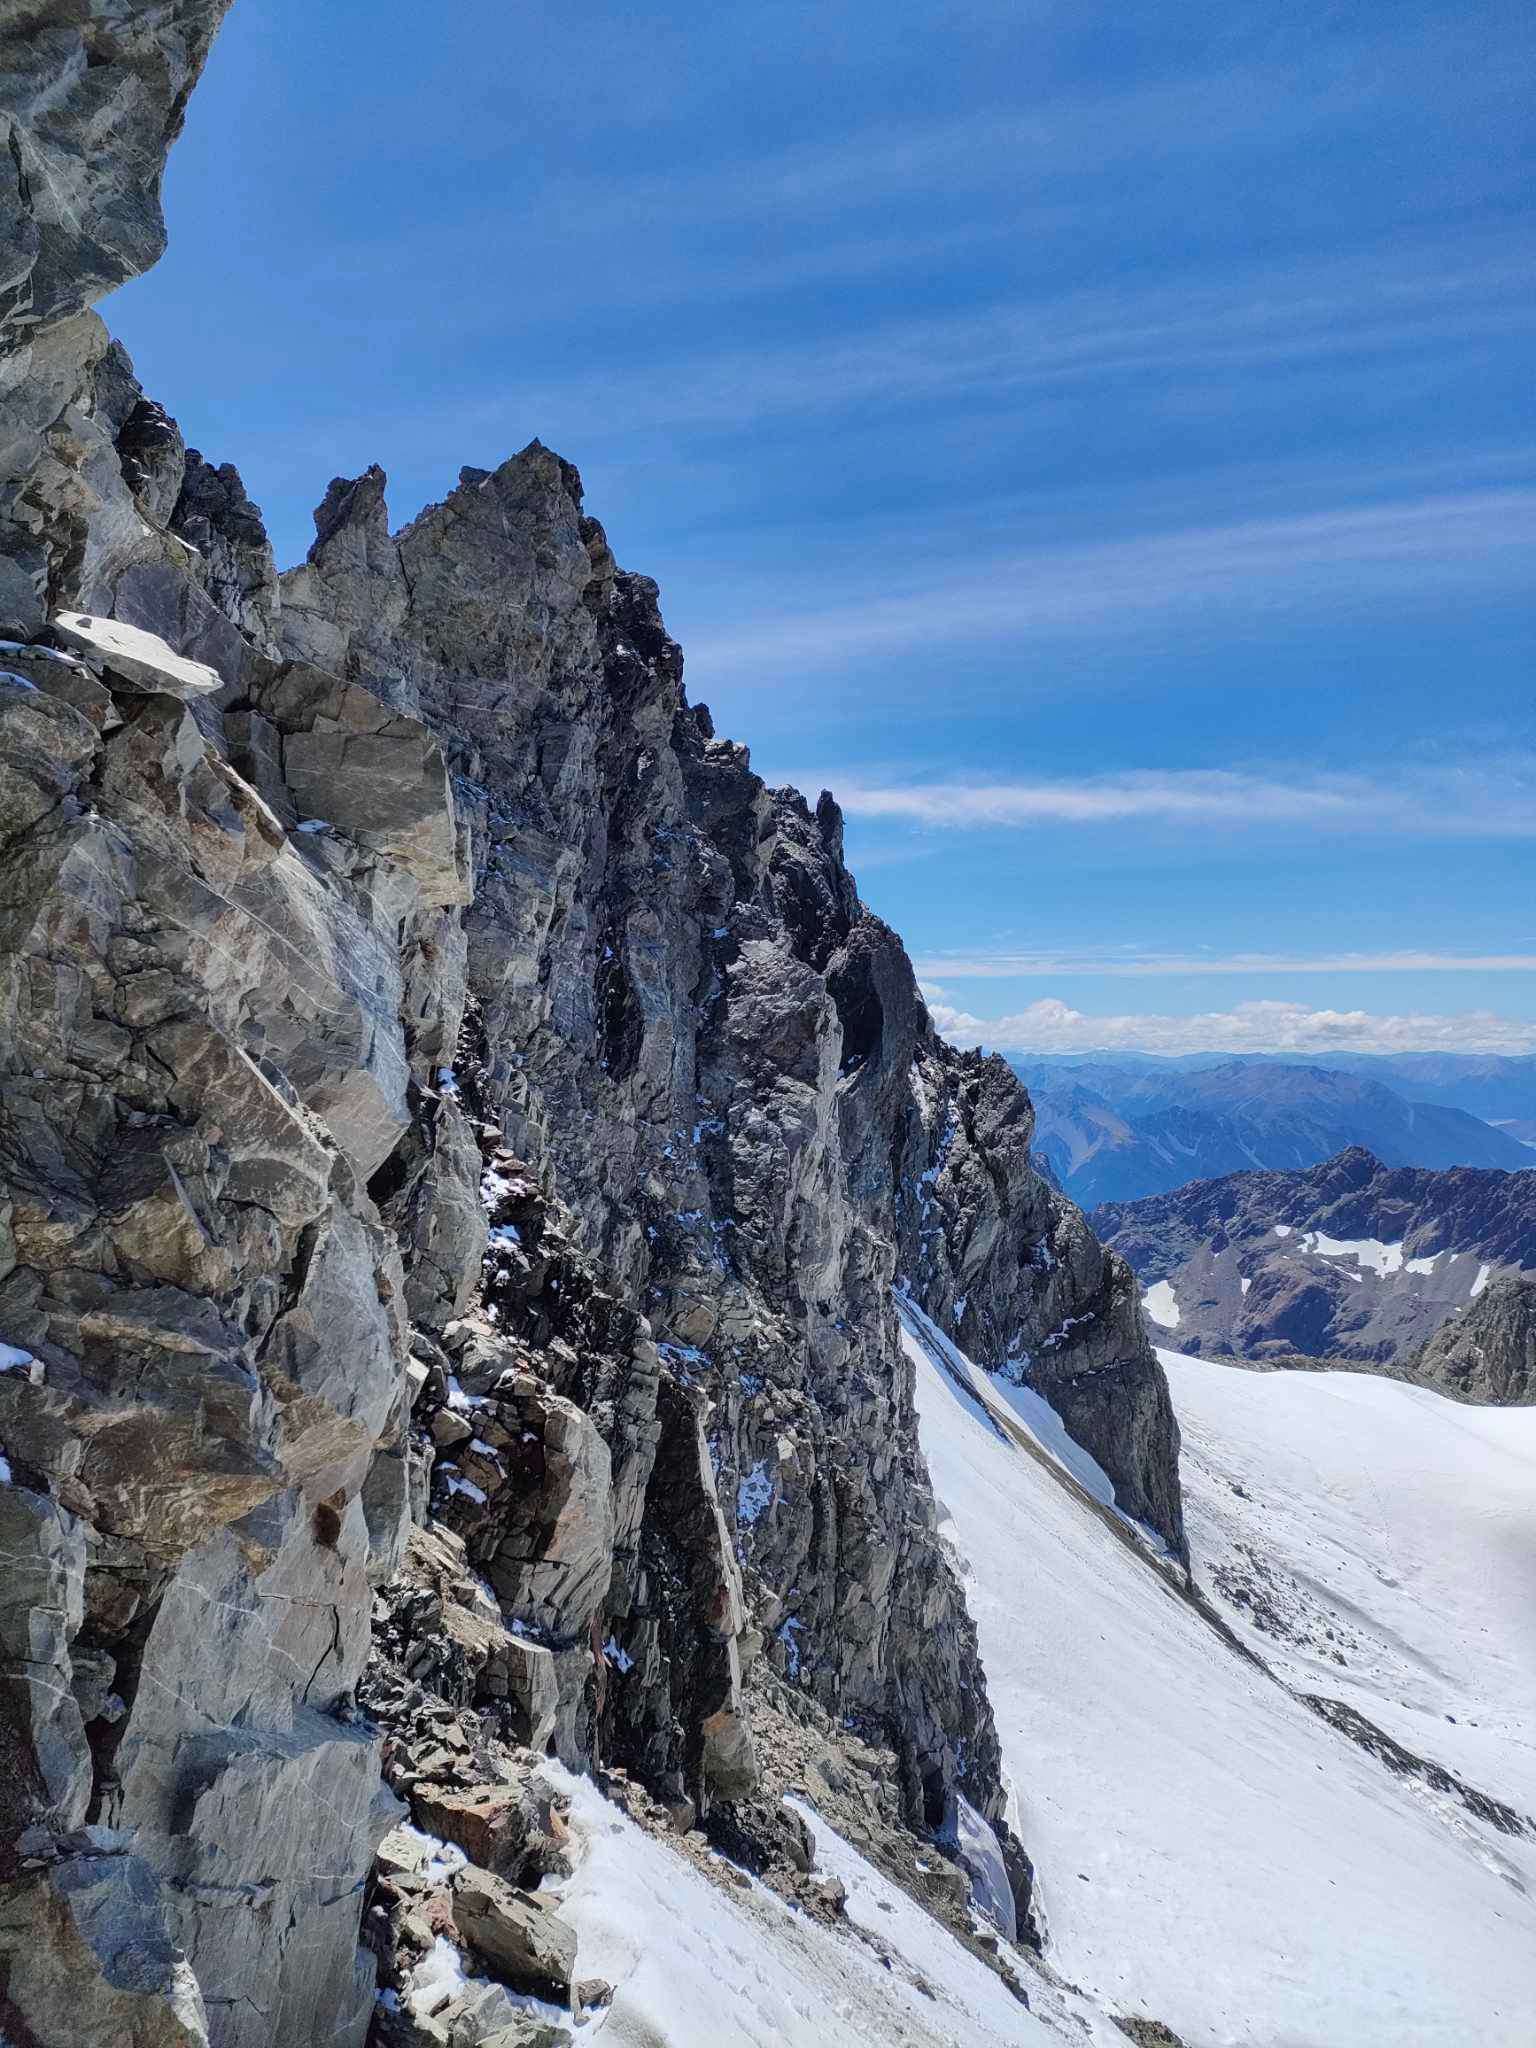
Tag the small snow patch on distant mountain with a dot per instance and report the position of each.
(1160, 1305)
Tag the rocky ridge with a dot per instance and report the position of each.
(1401, 1269)
(1488, 1352)
(460, 1133)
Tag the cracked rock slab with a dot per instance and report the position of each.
(86, 1958)
(518, 1937)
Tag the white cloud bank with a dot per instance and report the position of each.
(1431, 802)
(1265, 1026)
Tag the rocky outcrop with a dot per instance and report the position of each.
(1489, 1352)
(460, 1135)
(206, 1056)
(92, 96)
(1010, 1269)
(214, 518)
(1349, 1263)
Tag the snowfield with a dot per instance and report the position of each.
(1210, 1853)
(1396, 1537)
(697, 1966)
(1160, 1305)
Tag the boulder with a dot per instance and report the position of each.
(519, 1938)
(492, 1824)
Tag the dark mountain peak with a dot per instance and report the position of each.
(1351, 1262)
(1355, 1164)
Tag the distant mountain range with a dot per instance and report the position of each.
(1428, 1274)
(1117, 1127)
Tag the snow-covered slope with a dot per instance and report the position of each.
(696, 1966)
(1375, 1543)
(1210, 1853)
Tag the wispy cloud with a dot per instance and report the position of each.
(1154, 122)
(1459, 540)
(1269, 1026)
(1148, 966)
(1177, 343)
(1060, 147)
(1450, 802)
(1365, 303)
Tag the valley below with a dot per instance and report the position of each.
(1119, 1129)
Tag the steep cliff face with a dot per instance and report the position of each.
(445, 1091)
(689, 1004)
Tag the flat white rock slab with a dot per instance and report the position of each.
(138, 656)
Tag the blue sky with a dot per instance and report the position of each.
(1095, 440)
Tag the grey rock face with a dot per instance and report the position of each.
(679, 1009)
(1010, 1269)
(342, 607)
(1489, 1352)
(152, 454)
(459, 1136)
(87, 1957)
(68, 526)
(198, 1076)
(214, 517)
(42, 1613)
(92, 96)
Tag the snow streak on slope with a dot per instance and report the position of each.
(1209, 1852)
(695, 1966)
(1376, 1543)
(1007, 1405)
